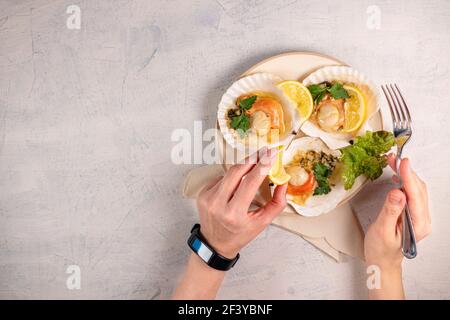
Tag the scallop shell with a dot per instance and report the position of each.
(346, 75)
(319, 204)
(265, 82)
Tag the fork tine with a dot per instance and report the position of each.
(395, 106)
(399, 106)
(394, 119)
(405, 106)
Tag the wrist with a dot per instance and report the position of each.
(221, 247)
(224, 251)
(389, 272)
(200, 281)
(390, 267)
(390, 285)
(199, 265)
(208, 253)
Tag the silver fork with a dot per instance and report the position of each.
(401, 119)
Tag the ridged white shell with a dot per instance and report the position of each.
(256, 82)
(320, 204)
(346, 75)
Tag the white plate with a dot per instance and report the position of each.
(294, 66)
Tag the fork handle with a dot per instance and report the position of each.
(409, 247)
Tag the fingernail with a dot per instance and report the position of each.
(395, 198)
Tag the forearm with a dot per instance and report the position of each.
(199, 281)
(391, 285)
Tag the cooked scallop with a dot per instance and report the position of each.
(272, 108)
(330, 114)
(299, 176)
(260, 122)
(322, 124)
(299, 193)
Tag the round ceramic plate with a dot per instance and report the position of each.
(292, 66)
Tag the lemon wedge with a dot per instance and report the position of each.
(277, 174)
(354, 108)
(300, 95)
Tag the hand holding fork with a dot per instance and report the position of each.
(401, 118)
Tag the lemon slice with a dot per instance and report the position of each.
(277, 174)
(300, 95)
(355, 109)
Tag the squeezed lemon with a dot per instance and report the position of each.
(277, 174)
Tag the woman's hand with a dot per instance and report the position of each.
(226, 222)
(223, 205)
(382, 244)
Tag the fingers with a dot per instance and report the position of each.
(409, 178)
(407, 175)
(215, 185)
(211, 184)
(234, 175)
(417, 195)
(413, 186)
(276, 205)
(405, 164)
(391, 161)
(395, 179)
(250, 184)
(392, 209)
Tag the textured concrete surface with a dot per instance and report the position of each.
(85, 123)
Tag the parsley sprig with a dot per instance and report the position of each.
(240, 121)
(321, 173)
(318, 91)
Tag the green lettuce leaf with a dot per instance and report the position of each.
(366, 156)
(372, 167)
(376, 143)
(351, 157)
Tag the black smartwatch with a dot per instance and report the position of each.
(200, 246)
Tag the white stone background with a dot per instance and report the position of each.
(86, 118)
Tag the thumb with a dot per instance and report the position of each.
(392, 209)
(276, 205)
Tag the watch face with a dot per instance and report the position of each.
(203, 251)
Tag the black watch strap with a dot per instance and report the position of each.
(200, 246)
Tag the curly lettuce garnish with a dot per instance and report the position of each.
(366, 156)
